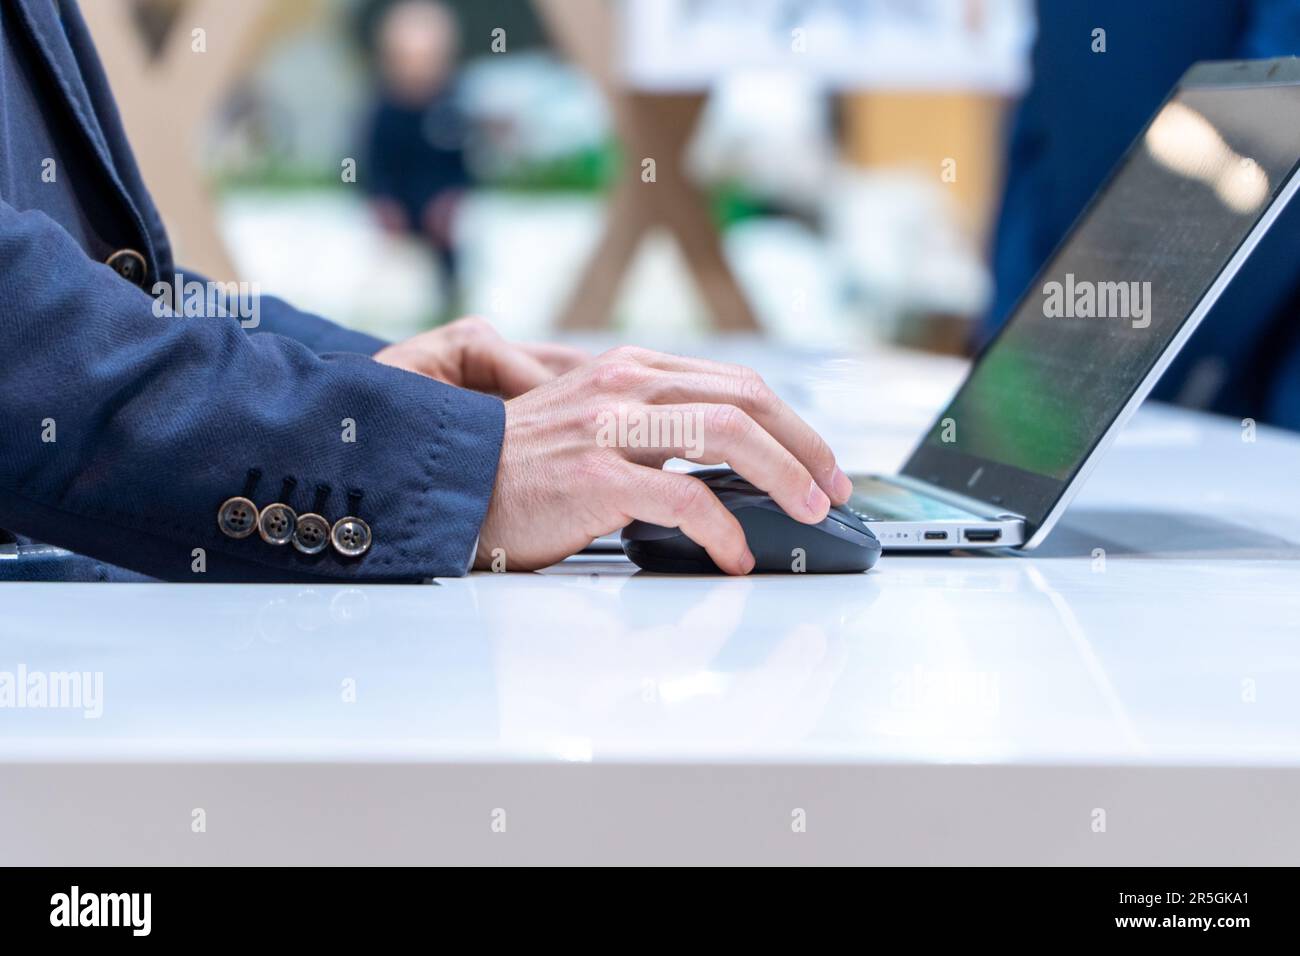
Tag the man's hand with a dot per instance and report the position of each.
(559, 485)
(469, 353)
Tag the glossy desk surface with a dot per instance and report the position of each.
(1159, 627)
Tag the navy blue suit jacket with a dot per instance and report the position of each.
(157, 419)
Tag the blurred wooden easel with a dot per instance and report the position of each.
(654, 126)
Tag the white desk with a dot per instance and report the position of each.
(937, 710)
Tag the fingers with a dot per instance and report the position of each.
(746, 390)
(711, 434)
(509, 371)
(680, 501)
(699, 380)
(558, 358)
(491, 364)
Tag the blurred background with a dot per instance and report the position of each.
(821, 173)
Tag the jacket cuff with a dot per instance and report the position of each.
(469, 455)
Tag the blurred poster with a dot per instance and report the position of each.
(857, 44)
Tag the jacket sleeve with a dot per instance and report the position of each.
(318, 334)
(123, 429)
(280, 318)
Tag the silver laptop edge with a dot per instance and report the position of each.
(990, 526)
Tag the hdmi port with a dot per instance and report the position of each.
(982, 535)
(936, 536)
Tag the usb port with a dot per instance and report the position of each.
(936, 536)
(982, 535)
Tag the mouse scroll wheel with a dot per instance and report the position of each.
(745, 490)
(728, 495)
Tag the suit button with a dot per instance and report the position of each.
(350, 537)
(311, 535)
(237, 517)
(129, 264)
(276, 523)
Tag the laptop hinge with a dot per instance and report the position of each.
(974, 505)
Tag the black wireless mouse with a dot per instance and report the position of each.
(841, 543)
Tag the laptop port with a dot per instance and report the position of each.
(936, 536)
(982, 535)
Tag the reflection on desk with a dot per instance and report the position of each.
(1146, 659)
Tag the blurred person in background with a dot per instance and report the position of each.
(416, 133)
(1081, 111)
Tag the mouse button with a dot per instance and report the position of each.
(854, 533)
(730, 484)
(842, 515)
(863, 538)
(749, 499)
(736, 500)
(713, 476)
(644, 531)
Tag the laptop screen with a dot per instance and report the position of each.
(1111, 300)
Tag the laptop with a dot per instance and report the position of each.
(1114, 304)
(1111, 308)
